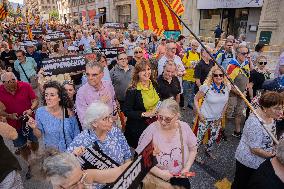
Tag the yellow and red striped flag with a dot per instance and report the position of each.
(30, 33)
(154, 14)
(177, 6)
(158, 32)
(4, 11)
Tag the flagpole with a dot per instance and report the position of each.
(225, 73)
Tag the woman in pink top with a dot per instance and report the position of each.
(174, 140)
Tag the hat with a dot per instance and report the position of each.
(29, 44)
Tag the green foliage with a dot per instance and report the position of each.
(54, 14)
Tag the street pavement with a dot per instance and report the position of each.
(206, 175)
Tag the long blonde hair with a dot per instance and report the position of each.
(209, 79)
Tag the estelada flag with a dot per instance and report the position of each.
(154, 14)
(3, 11)
(30, 33)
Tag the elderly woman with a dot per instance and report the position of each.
(98, 128)
(64, 171)
(140, 106)
(138, 56)
(55, 121)
(215, 95)
(270, 173)
(256, 145)
(258, 75)
(175, 142)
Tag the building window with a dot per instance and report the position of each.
(124, 13)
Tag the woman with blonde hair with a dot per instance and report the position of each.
(215, 94)
(138, 56)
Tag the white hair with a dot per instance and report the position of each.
(59, 167)
(94, 112)
(5, 74)
(169, 105)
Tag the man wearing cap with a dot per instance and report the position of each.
(31, 52)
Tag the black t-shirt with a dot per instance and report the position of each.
(166, 89)
(8, 162)
(6, 56)
(265, 178)
(202, 69)
(132, 62)
(257, 79)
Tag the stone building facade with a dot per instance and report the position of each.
(40, 7)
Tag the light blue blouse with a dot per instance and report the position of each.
(52, 129)
(114, 146)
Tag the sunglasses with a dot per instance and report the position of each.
(138, 52)
(262, 63)
(218, 75)
(166, 119)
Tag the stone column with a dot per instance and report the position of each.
(191, 16)
(271, 19)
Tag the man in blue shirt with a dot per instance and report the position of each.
(31, 52)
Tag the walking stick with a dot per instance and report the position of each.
(225, 73)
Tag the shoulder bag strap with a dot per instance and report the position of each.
(182, 144)
(24, 72)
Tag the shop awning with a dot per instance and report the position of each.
(99, 15)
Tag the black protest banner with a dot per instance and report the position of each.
(94, 158)
(57, 35)
(110, 53)
(136, 171)
(64, 64)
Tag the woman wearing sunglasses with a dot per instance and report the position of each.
(175, 143)
(258, 76)
(138, 56)
(215, 95)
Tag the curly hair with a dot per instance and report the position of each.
(209, 79)
(139, 67)
(65, 101)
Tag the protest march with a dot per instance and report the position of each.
(142, 105)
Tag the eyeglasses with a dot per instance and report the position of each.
(93, 75)
(244, 53)
(10, 81)
(136, 52)
(108, 118)
(218, 75)
(166, 119)
(262, 63)
(163, 39)
(122, 59)
(81, 181)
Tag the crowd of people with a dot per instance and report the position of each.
(137, 98)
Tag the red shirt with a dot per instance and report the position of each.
(18, 103)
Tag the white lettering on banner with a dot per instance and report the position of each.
(94, 161)
(215, 4)
(130, 175)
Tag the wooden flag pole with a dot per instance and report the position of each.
(225, 73)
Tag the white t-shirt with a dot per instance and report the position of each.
(179, 64)
(214, 102)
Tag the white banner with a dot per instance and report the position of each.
(216, 4)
